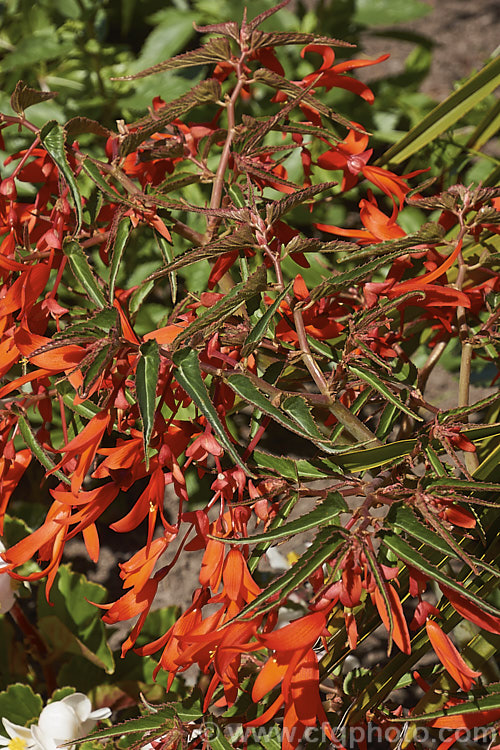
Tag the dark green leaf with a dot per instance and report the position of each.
(414, 558)
(161, 720)
(285, 467)
(52, 137)
(276, 209)
(324, 547)
(188, 375)
(259, 329)
(146, 381)
(37, 450)
(121, 239)
(228, 305)
(94, 369)
(19, 704)
(323, 515)
(244, 388)
(407, 521)
(369, 377)
(362, 460)
(83, 272)
(450, 483)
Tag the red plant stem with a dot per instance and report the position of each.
(37, 644)
(218, 182)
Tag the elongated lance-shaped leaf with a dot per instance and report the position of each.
(479, 703)
(450, 483)
(369, 377)
(343, 280)
(278, 521)
(279, 83)
(53, 136)
(168, 255)
(101, 359)
(325, 513)
(280, 38)
(406, 520)
(91, 168)
(201, 93)
(121, 239)
(37, 450)
(241, 238)
(83, 272)
(446, 114)
(362, 460)
(146, 380)
(162, 719)
(259, 329)
(188, 375)
(227, 306)
(214, 51)
(326, 544)
(244, 388)
(409, 555)
(276, 209)
(429, 233)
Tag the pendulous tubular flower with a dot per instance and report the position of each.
(7, 586)
(59, 722)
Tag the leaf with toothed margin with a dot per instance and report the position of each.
(188, 375)
(146, 381)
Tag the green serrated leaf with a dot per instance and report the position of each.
(285, 467)
(188, 375)
(215, 50)
(53, 137)
(259, 330)
(37, 450)
(146, 381)
(414, 558)
(83, 272)
(161, 721)
(327, 511)
(362, 460)
(226, 306)
(121, 239)
(243, 387)
(369, 377)
(325, 545)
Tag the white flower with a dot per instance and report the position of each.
(7, 586)
(61, 721)
(20, 737)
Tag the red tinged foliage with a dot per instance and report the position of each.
(196, 405)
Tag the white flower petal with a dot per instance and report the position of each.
(59, 722)
(80, 704)
(16, 730)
